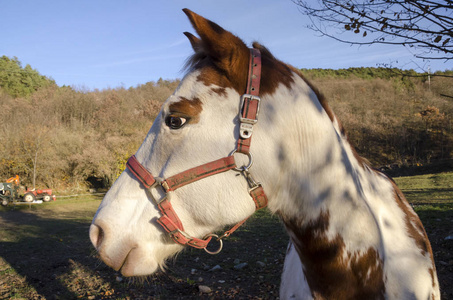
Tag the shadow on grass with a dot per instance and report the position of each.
(42, 250)
(437, 219)
(54, 256)
(440, 213)
(429, 194)
(52, 253)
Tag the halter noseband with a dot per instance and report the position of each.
(248, 116)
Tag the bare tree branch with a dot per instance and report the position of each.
(426, 27)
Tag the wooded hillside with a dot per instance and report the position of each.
(76, 138)
(392, 119)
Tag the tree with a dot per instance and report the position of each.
(18, 81)
(424, 26)
(33, 145)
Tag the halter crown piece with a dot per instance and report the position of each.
(248, 116)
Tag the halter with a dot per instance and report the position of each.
(248, 116)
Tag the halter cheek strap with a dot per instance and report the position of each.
(170, 220)
(248, 116)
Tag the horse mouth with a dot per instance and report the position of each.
(123, 268)
(122, 255)
(134, 264)
(131, 264)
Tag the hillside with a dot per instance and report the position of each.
(76, 138)
(392, 119)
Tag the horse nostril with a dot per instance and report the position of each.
(96, 235)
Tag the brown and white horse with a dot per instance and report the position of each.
(352, 233)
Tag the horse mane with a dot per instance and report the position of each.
(194, 61)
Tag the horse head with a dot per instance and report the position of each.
(197, 124)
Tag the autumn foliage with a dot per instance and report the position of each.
(73, 139)
(76, 139)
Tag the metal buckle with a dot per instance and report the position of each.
(253, 184)
(163, 184)
(251, 97)
(246, 126)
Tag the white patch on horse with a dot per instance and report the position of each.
(294, 284)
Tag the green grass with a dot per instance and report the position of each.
(431, 196)
(429, 188)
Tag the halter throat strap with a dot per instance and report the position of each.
(248, 116)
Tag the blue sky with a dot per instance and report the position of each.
(98, 44)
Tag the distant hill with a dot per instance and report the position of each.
(369, 73)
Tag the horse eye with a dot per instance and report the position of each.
(175, 122)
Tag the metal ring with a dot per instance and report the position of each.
(220, 244)
(243, 168)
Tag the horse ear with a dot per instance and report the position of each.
(228, 52)
(196, 43)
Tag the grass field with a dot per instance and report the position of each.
(45, 253)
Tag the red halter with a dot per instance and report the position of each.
(248, 116)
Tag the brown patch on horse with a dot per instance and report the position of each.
(219, 91)
(415, 227)
(187, 108)
(273, 72)
(210, 75)
(330, 272)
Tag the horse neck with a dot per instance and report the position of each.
(323, 192)
(322, 183)
(313, 153)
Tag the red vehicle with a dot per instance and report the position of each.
(44, 195)
(9, 193)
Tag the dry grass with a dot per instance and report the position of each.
(383, 120)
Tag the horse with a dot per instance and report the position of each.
(353, 234)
